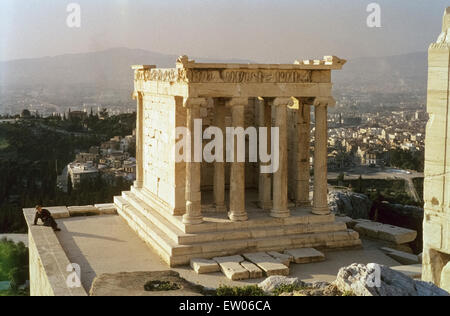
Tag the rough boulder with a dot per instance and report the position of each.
(378, 280)
(351, 204)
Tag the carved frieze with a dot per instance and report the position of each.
(243, 76)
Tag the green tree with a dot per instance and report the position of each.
(13, 263)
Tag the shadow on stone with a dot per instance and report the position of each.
(160, 283)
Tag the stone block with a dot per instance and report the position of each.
(351, 224)
(203, 266)
(83, 210)
(107, 209)
(58, 211)
(282, 257)
(267, 263)
(254, 271)
(397, 235)
(401, 257)
(305, 255)
(232, 268)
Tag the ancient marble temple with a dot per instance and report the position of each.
(436, 255)
(196, 209)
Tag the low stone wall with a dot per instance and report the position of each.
(48, 262)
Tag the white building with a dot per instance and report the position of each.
(81, 171)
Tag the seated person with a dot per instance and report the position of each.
(46, 217)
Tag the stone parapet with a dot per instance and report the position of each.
(48, 262)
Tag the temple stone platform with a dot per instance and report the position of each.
(177, 243)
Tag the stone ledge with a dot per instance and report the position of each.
(413, 271)
(397, 235)
(56, 211)
(59, 212)
(401, 257)
(48, 262)
(305, 255)
(107, 209)
(83, 210)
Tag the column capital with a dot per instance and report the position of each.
(283, 102)
(137, 94)
(324, 101)
(231, 102)
(194, 102)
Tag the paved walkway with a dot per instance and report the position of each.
(105, 244)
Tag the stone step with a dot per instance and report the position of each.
(282, 257)
(401, 257)
(305, 255)
(203, 266)
(176, 255)
(142, 233)
(174, 220)
(156, 233)
(179, 237)
(222, 225)
(267, 263)
(169, 229)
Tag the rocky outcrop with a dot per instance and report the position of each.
(350, 204)
(270, 284)
(356, 280)
(275, 281)
(378, 280)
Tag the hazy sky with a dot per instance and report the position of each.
(260, 30)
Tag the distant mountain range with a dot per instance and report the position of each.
(104, 68)
(393, 74)
(106, 75)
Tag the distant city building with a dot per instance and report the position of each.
(86, 157)
(79, 172)
(25, 114)
(111, 160)
(77, 115)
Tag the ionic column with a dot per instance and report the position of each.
(280, 177)
(320, 206)
(139, 183)
(265, 179)
(303, 154)
(219, 167)
(193, 169)
(237, 182)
